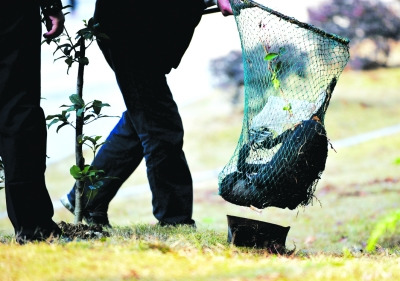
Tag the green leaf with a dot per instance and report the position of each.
(76, 100)
(59, 58)
(80, 139)
(70, 108)
(65, 46)
(98, 145)
(75, 172)
(90, 23)
(270, 56)
(278, 66)
(288, 107)
(88, 116)
(84, 61)
(384, 225)
(76, 46)
(62, 125)
(86, 169)
(96, 185)
(92, 173)
(58, 117)
(92, 140)
(49, 117)
(54, 121)
(69, 61)
(80, 111)
(276, 83)
(48, 41)
(98, 105)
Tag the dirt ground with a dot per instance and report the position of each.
(82, 231)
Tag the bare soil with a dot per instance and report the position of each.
(82, 231)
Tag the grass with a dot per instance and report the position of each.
(359, 187)
(153, 253)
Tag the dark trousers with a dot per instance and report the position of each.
(141, 51)
(22, 123)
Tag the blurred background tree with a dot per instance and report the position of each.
(371, 25)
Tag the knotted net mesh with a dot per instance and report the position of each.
(290, 71)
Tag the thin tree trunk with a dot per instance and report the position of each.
(80, 161)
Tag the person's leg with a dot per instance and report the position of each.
(156, 119)
(28, 202)
(22, 124)
(156, 125)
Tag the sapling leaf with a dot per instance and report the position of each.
(91, 174)
(102, 116)
(80, 139)
(86, 169)
(54, 121)
(76, 45)
(98, 105)
(62, 125)
(88, 116)
(96, 185)
(84, 61)
(63, 116)
(90, 22)
(276, 83)
(278, 66)
(69, 61)
(99, 145)
(76, 100)
(70, 108)
(270, 56)
(92, 140)
(288, 108)
(48, 41)
(59, 58)
(80, 111)
(67, 51)
(49, 117)
(59, 47)
(75, 172)
(58, 118)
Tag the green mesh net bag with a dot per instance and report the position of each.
(290, 71)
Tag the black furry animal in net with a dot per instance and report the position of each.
(288, 180)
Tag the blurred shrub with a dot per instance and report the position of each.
(227, 73)
(361, 20)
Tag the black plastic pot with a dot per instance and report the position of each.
(245, 232)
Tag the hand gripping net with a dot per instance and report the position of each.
(290, 71)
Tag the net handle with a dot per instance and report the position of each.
(251, 4)
(211, 11)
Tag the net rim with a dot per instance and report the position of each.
(252, 4)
